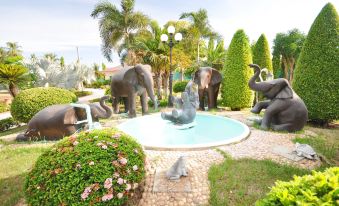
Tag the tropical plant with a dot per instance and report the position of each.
(216, 55)
(262, 54)
(13, 49)
(317, 74)
(278, 72)
(52, 57)
(11, 75)
(118, 28)
(180, 86)
(235, 92)
(288, 46)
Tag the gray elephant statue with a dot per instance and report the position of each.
(285, 111)
(132, 82)
(208, 80)
(56, 121)
(186, 108)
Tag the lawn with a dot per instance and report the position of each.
(243, 182)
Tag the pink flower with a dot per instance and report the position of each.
(116, 136)
(135, 167)
(107, 197)
(116, 175)
(104, 146)
(135, 186)
(86, 192)
(108, 183)
(78, 166)
(91, 163)
(128, 187)
(84, 195)
(136, 151)
(123, 161)
(75, 143)
(120, 181)
(120, 195)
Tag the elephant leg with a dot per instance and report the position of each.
(272, 110)
(131, 104)
(211, 98)
(259, 106)
(167, 116)
(144, 105)
(216, 92)
(126, 104)
(201, 100)
(115, 104)
(284, 127)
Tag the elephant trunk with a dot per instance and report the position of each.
(150, 92)
(108, 110)
(252, 82)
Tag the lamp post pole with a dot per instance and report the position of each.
(164, 38)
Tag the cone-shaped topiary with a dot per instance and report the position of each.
(317, 74)
(235, 92)
(262, 54)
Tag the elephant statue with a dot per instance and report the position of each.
(208, 80)
(132, 82)
(187, 111)
(285, 111)
(56, 121)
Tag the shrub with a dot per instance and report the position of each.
(101, 167)
(180, 86)
(29, 102)
(262, 54)
(3, 107)
(162, 103)
(7, 123)
(82, 93)
(235, 92)
(320, 188)
(317, 75)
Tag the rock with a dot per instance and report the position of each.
(177, 170)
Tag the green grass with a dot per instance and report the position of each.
(244, 181)
(15, 163)
(14, 130)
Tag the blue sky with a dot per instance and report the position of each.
(42, 26)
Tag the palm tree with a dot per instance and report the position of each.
(216, 55)
(12, 75)
(13, 49)
(118, 28)
(200, 26)
(51, 56)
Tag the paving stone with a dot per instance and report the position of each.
(287, 153)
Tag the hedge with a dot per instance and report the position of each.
(316, 77)
(235, 92)
(101, 167)
(180, 86)
(262, 54)
(29, 102)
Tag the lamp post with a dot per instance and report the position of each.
(171, 43)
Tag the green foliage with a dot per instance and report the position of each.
(320, 188)
(262, 54)
(7, 123)
(216, 55)
(4, 107)
(99, 83)
(103, 162)
(29, 102)
(162, 103)
(179, 86)
(317, 74)
(12, 75)
(81, 93)
(278, 72)
(236, 73)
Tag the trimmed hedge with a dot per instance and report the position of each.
(180, 86)
(320, 188)
(4, 107)
(235, 92)
(30, 101)
(162, 103)
(262, 54)
(316, 77)
(7, 123)
(101, 167)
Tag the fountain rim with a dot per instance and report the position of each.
(203, 146)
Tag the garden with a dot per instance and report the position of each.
(241, 125)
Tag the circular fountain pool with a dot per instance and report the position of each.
(155, 133)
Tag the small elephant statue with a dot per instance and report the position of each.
(285, 110)
(56, 121)
(129, 83)
(208, 80)
(186, 108)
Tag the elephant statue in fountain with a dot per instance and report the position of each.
(185, 107)
(56, 121)
(285, 110)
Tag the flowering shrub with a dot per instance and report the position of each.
(320, 188)
(101, 167)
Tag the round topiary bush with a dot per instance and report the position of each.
(30, 101)
(320, 188)
(179, 86)
(101, 167)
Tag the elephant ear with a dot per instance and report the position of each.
(131, 76)
(196, 77)
(280, 89)
(216, 77)
(70, 116)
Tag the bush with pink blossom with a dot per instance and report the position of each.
(101, 167)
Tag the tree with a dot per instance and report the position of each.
(216, 55)
(62, 62)
(13, 49)
(235, 92)
(262, 54)
(51, 56)
(278, 72)
(12, 75)
(317, 74)
(288, 46)
(200, 26)
(118, 28)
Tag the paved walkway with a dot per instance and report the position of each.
(96, 93)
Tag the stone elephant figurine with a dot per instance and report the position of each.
(132, 82)
(56, 121)
(186, 108)
(208, 80)
(285, 110)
